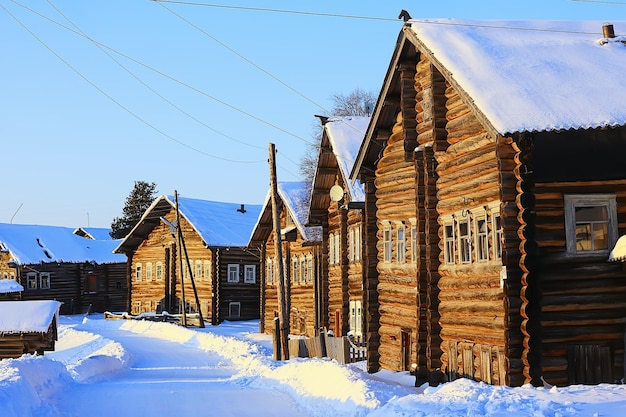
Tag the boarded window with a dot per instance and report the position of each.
(234, 310)
(589, 364)
(91, 283)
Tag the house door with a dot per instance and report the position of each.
(406, 350)
(589, 364)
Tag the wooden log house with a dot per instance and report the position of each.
(337, 205)
(224, 271)
(503, 145)
(28, 327)
(302, 260)
(57, 263)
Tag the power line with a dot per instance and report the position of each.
(126, 109)
(600, 1)
(190, 87)
(103, 50)
(259, 9)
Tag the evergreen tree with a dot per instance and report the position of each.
(137, 202)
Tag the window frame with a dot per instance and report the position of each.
(208, 270)
(44, 280)
(464, 241)
(400, 243)
(449, 240)
(571, 203)
(387, 243)
(246, 276)
(496, 232)
(158, 271)
(199, 270)
(230, 277)
(138, 272)
(481, 237)
(148, 271)
(31, 281)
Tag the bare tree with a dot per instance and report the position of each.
(356, 103)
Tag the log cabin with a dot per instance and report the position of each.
(56, 263)
(505, 141)
(302, 262)
(211, 256)
(28, 327)
(337, 206)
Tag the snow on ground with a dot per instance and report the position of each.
(85, 359)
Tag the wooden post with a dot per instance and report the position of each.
(182, 282)
(193, 282)
(276, 339)
(282, 299)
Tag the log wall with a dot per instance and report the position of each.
(395, 202)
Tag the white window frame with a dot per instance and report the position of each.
(496, 231)
(309, 270)
(31, 280)
(44, 280)
(351, 248)
(159, 271)
(231, 306)
(449, 240)
(249, 276)
(481, 236)
(356, 318)
(198, 271)
(148, 271)
(400, 243)
(337, 248)
(233, 273)
(358, 248)
(331, 248)
(574, 201)
(294, 269)
(269, 268)
(464, 241)
(208, 271)
(387, 248)
(138, 275)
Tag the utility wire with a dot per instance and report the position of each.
(258, 9)
(265, 122)
(241, 56)
(600, 1)
(104, 51)
(126, 109)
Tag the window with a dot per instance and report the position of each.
(138, 272)
(233, 273)
(401, 243)
(207, 271)
(482, 236)
(198, 270)
(31, 281)
(496, 230)
(590, 223)
(465, 240)
(413, 242)
(331, 248)
(118, 285)
(159, 271)
(449, 241)
(269, 266)
(234, 310)
(44, 280)
(136, 307)
(91, 283)
(351, 244)
(149, 271)
(387, 243)
(356, 318)
(357, 243)
(337, 248)
(294, 270)
(309, 269)
(303, 269)
(249, 274)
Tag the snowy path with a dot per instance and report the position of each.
(169, 378)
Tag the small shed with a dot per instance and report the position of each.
(28, 327)
(10, 290)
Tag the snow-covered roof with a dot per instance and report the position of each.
(618, 254)
(296, 199)
(533, 75)
(96, 233)
(218, 223)
(346, 135)
(27, 316)
(9, 285)
(31, 244)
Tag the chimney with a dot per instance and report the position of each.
(607, 31)
(241, 209)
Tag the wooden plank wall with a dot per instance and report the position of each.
(247, 294)
(583, 301)
(338, 297)
(370, 272)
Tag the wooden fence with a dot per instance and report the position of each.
(342, 349)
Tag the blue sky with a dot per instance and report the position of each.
(78, 128)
